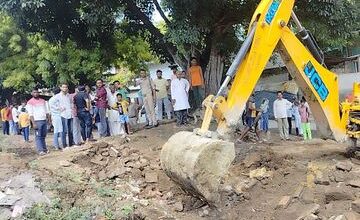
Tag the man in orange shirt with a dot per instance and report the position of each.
(5, 120)
(196, 79)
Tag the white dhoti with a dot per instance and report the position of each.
(114, 123)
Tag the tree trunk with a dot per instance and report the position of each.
(214, 71)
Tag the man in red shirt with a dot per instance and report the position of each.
(101, 104)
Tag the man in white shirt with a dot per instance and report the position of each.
(15, 115)
(39, 117)
(66, 115)
(281, 107)
(180, 98)
(54, 106)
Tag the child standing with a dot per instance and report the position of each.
(296, 114)
(24, 123)
(305, 124)
(122, 106)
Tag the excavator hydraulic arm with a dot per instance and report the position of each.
(198, 161)
(319, 85)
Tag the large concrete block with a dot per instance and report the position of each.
(197, 163)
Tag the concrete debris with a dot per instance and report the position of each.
(341, 217)
(322, 180)
(115, 172)
(352, 216)
(179, 206)
(252, 159)
(151, 177)
(9, 191)
(9, 200)
(113, 152)
(339, 176)
(102, 175)
(18, 210)
(21, 192)
(311, 217)
(310, 212)
(298, 192)
(251, 184)
(100, 145)
(5, 213)
(204, 213)
(355, 206)
(144, 202)
(65, 163)
(2, 195)
(239, 188)
(337, 193)
(344, 166)
(284, 202)
(98, 162)
(260, 173)
(354, 183)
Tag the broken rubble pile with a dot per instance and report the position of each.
(19, 193)
(109, 162)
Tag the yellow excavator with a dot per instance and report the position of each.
(198, 160)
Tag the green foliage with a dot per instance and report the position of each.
(109, 215)
(127, 210)
(28, 60)
(55, 211)
(73, 176)
(133, 52)
(121, 33)
(103, 191)
(34, 164)
(124, 76)
(332, 22)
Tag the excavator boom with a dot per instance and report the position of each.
(198, 161)
(319, 85)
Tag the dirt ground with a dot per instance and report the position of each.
(117, 178)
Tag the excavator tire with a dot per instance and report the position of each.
(197, 163)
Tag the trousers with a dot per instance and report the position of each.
(306, 129)
(283, 128)
(166, 102)
(85, 124)
(103, 128)
(150, 109)
(181, 117)
(40, 135)
(67, 131)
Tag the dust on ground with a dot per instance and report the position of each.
(118, 178)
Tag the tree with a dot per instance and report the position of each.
(208, 29)
(28, 60)
(212, 30)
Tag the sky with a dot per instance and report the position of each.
(156, 16)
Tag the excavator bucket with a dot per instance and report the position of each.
(197, 163)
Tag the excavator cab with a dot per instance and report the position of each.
(198, 160)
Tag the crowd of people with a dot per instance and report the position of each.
(73, 113)
(284, 112)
